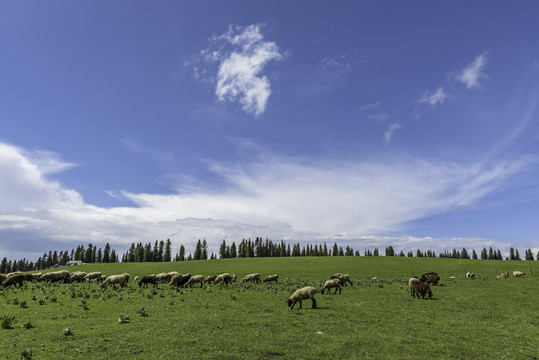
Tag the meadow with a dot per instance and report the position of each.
(374, 319)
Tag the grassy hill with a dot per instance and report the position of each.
(467, 319)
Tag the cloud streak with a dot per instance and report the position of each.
(438, 97)
(281, 198)
(473, 72)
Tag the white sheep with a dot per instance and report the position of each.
(195, 279)
(116, 280)
(345, 278)
(210, 278)
(271, 278)
(77, 276)
(251, 277)
(470, 275)
(518, 274)
(225, 278)
(164, 277)
(300, 295)
(333, 283)
(93, 276)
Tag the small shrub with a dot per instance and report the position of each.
(27, 325)
(142, 312)
(27, 354)
(123, 318)
(23, 305)
(7, 321)
(42, 302)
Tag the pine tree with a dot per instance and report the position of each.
(181, 253)
(168, 251)
(474, 255)
(335, 250)
(106, 253)
(517, 256)
(511, 254)
(233, 251)
(204, 253)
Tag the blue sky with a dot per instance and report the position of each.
(412, 124)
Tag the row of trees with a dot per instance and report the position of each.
(161, 251)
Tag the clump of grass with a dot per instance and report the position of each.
(142, 312)
(27, 325)
(83, 304)
(7, 321)
(68, 332)
(15, 301)
(42, 302)
(123, 318)
(27, 354)
(23, 305)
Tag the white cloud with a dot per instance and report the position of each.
(473, 72)
(381, 117)
(390, 130)
(242, 54)
(433, 98)
(370, 106)
(279, 198)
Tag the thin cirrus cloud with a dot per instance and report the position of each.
(242, 55)
(388, 135)
(281, 198)
(433, 98)
(473, 72)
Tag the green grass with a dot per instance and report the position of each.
(468, 319)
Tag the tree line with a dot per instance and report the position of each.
(161, 251)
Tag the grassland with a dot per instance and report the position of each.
(468, 319)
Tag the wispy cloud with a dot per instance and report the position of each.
(282, 198)
(381, 116)
(241, 54)
(473, 72)
(370, 106)
(390, 130)
(438, 97)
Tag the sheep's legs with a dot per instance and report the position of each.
(314, 303)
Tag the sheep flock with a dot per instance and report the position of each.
(420, 286)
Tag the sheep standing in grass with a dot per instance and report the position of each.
(77, 276)
(518, 274)
(179, 280)
(195, 279)
(345, 278)
(93, 276)
(225, 278)
(251, 278)
(16, 280)
(470, 275)
(504, 275)
(271, 278)
(432, 279)
(62, 275)
(115, 280)
(333, 283)
(300, 295)
(164, 277)
(418, 287)
(148, 279)
(210, 279)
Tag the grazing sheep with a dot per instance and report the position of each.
(77, 276)
(418, 287)
(432, 279)
(470, 275)
(345, 278)
(33, 277)
(225, 278)
(13, 274)
(179, 280)
(93, 276)
(195, 279)
(172, 273)
(136, 278)
(424, 276)
(504, 275)
(518, 274)
(271, 278)
(210, 279)
(164, 277)
(251, 277)
(16, 280)
(300, 295)
(115, 280)
(333, 283)
(234, 277)
(62, 275)
(149, 279)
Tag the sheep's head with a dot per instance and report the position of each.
(322, 290)
(290, 302)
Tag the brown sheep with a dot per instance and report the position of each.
(179, 280)
(16, 280)
(271, 278)
(300, 295)
(418, 287)
(210, 279)
(432, 279)
(148, 279)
